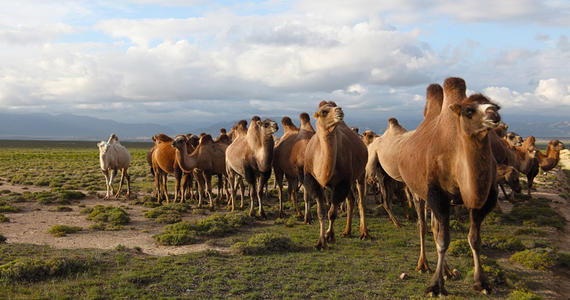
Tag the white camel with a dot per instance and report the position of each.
(113, 157)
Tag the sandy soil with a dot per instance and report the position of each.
(32, 223)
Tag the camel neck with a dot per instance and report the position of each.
(475, 168)
(264, 153)
(328, 147)
(185, 161)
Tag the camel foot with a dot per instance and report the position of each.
(321, 244)
(364, 235)
(447, 272)
(307, 221)
(435, 290)
(262, 215)
(211, 207)
(251, 213)
(423, 267)
(482, 286)
(329, 235)
(346, 234)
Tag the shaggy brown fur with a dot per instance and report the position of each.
(335, 158)
(288, 159)
(163, 163)
(250, 156)
(513, 139)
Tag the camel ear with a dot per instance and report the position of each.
(322, 103)
(258, 123)
(455, 108)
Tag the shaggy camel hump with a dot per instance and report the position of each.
(288, 126)
(434, 101)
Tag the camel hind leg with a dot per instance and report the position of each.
(279, 183)
(107, 187)
(361, 190)
(120, 183)
(419, 205)
(439, 204)
(312, 188)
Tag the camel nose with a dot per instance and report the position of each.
(493, 114)
(339, 113)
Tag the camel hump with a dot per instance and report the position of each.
(242, 123)
(206, 139)
(434, 91)
(454, 90)
(324, 102)
(304, 117)
(354, 129)
(161, 137)
(223, 131)
(255, 118)
(286, 121)
(393, 122)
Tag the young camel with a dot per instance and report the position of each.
(250, 156)
(510, 176)
(113, 157)
(207, 159)
(550, 160)
(288, 159)
(335, 158)
(455, 163)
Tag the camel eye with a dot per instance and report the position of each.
(469, 112)
(266, 125)
(324, 113)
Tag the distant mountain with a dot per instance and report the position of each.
(72, 127)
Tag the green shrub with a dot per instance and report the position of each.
(216, 225)
(523, 295)
(459, 248)
(168, 214)
(4, 219)
(530, 231)
(504, 243)
(563, 260)
(458, 226)
(34, 269)
(57, 195)
(107, 214)
(63, 230)
(534, 212)
(266, 243)
(538, 259)
(64, 209)
(7, 208)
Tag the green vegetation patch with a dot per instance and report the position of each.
(58, 196)
(7, 208)
(168, 214)
(459, 248)
(457, 226)
(35, 269)
(4, 219)
(523, 294)
(106, 217)
(504, 243)
(216, 225)
(534, 212)
(266, 243)
(63, 230)
(538, 259)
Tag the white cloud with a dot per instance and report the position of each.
(548, 94)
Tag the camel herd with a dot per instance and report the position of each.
(459, 155)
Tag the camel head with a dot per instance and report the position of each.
(179, 142)
(222, 131)
(556, 145)
(368, 136)
(103, 147)
(514, 139)
(329, 116)
(267, 127)
(529, 145)
(476, 115)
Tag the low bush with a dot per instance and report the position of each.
(265, 243)
(523, 294)
(4, 219)
(538, 259)
(7, 208)
(35, 269)
(168, 214)
(63, 230)
(504, 243)
(459, 248)
(107, 214)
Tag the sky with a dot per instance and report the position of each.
(202, 62)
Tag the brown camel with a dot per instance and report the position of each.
(250, 156)
(335, 158)
(513, 139)
(368, 137)
(550, 160)
(508, 175)
(163, 163)
(288, 159)
(455, 163)
(207, 159)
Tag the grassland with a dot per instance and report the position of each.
(267, 259)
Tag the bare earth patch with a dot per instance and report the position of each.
(31, 226)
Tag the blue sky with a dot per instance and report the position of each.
(202, 61)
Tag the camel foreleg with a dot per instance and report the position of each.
(419, 204)
(361, 189)
(439, 204)
(120, 183)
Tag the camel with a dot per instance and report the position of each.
(223, 137)
(550, 160)
(513, 139)
(288, 159)
(455, 163)
(207, 159)
(508, 175)
(250, 156)
(113, 157)
(368, 137)
(163, 163)
(335, 158)
(501, 130)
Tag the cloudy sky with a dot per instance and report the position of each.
(198, 61)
